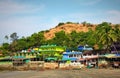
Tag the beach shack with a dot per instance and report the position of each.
(51, 52)
(113, 60)
(109, 60)
(71, 60)
(32, 56)
(90, 58)
(72, 56)
(5, 60)
(18, 60)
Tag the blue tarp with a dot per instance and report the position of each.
(117, 54)
(80, 48)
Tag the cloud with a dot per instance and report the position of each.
(12, 7)
(114, 12)
(20, 17)
(21, 23)
(114, 16)
(23, 26)
(80, 15)
(90, 2)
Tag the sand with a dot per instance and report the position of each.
(58, 73)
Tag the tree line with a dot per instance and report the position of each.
(104, 35)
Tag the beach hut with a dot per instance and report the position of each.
(91, 60)
(5, 60)
(114, 60)
(109, 60)
(19, 60)
(72, 56)
(51, 52)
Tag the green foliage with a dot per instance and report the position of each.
(106, 35)
(87, 24)
(14, 36)
(21, 44)
(84, 23)
(90, 39)
(69, 23)
(46, 30)
(34, 40)
(60, 24)
(103, 36)
(13, 47)
(117, 31)
(4, 49)
(5, 46)
(72, 22)
(60, 38)
(6, 37)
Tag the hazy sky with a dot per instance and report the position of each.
(28, 16)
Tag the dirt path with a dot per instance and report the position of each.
(89, 73)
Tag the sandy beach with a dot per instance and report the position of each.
(87, 73)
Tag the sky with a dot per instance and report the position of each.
(26, 17)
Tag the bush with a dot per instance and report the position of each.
(60, 24)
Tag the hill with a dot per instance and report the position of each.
(68, 28)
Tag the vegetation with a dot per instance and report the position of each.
(104, 36)
(60, 24)
(87, 24)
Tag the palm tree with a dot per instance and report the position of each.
(14, 36)
(106, 35)
(6, 37)
(117, 30)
